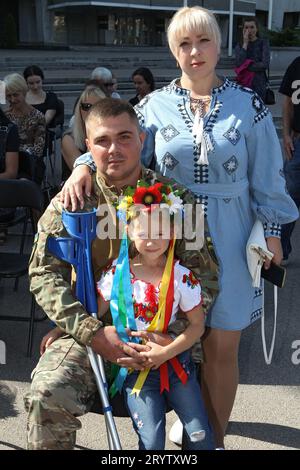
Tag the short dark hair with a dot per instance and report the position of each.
(33, 70)
(112, 107)
(147, 76)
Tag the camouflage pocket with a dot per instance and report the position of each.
(54, 356)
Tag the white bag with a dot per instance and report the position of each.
(257, 252)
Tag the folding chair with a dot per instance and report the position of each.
(53, 134)
(31, 167)
(20, 194)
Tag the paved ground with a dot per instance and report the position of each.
(266, 413)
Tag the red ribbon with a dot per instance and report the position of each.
(164, 375)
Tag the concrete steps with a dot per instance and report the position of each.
(66, 71)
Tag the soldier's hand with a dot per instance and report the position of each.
(107, 343)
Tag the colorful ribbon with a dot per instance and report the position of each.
(160, 323)
(121, 307)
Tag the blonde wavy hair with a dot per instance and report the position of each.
(78, 127)
(15, 83)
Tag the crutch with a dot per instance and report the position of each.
(76, 250)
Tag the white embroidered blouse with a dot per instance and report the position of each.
(187, 294)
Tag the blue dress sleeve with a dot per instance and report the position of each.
(149, 143)
(270, 199)
(85, 159)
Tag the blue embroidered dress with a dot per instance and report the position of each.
(243, 180)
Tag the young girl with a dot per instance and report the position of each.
(160, 287)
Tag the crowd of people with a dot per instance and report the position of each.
(202, 140)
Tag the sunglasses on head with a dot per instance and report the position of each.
(85, 106)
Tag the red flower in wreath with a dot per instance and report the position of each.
(148, 196)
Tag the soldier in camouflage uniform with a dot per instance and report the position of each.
(63, 386)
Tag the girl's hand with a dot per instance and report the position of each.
(80, 182)
(154, 336)
(156, 356)
(274, 245)
(49, 338)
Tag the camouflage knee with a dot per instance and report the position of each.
(62, 388)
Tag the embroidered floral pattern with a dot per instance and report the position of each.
(147, 310)
(190, 280)
(233, 135)
(169, 132)
(169, 161)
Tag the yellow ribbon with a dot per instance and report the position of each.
(158, 321)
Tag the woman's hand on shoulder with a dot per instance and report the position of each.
(78, 184)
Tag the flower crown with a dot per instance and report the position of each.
(151, 197)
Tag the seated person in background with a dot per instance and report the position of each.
(91, 82)
(144, 84)
(9, 161)
(73, 142)
(30, 122)
(105, 76)
(44, 101)
(115, 93)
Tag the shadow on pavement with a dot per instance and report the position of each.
(273, 433)
(7, 401)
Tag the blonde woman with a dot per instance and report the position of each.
(217, 139)
(73, 142)
(30, 122)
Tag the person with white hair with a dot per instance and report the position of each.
(104, 76)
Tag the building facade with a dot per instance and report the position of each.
(138, 22)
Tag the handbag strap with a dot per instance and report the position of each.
(268, 356)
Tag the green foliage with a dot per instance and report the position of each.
(10, 37)
(285, 37)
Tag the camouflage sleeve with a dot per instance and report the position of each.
(198, 256)
(50, 281)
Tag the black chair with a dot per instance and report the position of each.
(31, 167)
(28, 195)
(53, 134)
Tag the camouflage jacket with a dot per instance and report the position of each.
(50, 278)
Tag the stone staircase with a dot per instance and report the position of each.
(66, 71)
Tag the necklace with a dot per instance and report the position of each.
(200, 105)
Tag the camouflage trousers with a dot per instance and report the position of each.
(63, 388)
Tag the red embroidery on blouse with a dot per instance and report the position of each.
(190, 280)
(148, 309)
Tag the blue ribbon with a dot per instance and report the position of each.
(122, 274)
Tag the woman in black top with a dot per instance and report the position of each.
(9, 148)
(9, 161)
(44, 101)
(144, 84)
